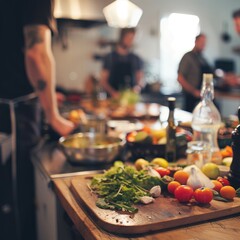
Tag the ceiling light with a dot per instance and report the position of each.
(122, 14)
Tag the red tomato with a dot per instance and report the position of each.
(162, 171)
(224, 181)
(203, 195)
(183, 193)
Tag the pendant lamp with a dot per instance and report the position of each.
(122, 14)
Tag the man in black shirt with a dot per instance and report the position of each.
(122, 68)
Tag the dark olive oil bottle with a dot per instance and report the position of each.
(171, 145)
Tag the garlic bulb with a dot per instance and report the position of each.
(155, 191)
(199, 176)
(193, 180)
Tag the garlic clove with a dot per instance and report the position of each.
(146, 200)
(152, 172)
(155, 191)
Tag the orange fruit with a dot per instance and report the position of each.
(181, 176)
(217, 185)
(172, 186)
(228, 192)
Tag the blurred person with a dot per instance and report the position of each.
(190, 71)
(231, 79)
(27, 67)
(236, 20)
(122, 68)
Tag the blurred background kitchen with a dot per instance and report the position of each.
(165, 32)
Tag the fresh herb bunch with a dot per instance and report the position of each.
(122, 186)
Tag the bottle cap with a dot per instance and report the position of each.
(171, 103)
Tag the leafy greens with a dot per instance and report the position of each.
(122, 186)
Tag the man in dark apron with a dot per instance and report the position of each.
(121, 68)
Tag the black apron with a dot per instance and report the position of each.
(122, 74)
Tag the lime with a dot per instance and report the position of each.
(211, 170)
(162, 162)
(140, 136)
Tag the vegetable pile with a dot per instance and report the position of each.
(122, 186)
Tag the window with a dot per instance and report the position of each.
(177, 36)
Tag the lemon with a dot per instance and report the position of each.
(141, 163)
(158, 133)
(211, 170)
(162, 162)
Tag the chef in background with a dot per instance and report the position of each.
(191, 68)
(122, 68)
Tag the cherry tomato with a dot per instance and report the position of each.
(224, 181)
(172, 186)
(203, 195)
(163, 171)
(183, 193)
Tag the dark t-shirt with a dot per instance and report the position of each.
(122, 69)
(14, 15)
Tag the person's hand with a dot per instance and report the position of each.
(61, 125)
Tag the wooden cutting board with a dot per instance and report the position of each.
(164, 213)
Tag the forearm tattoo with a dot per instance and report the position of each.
(33, 36)
(41, 85)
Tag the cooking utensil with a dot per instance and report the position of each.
(90, 148)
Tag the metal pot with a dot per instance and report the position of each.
(90, 148)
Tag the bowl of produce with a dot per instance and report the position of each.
(150, 143)
(90, 148)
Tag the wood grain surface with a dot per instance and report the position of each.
(223, 228)
(164, 213)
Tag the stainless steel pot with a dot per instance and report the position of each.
(90, 148)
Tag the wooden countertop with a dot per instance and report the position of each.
(221, 229)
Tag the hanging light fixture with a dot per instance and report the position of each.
(122, 14)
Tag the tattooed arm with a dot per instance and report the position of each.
(40, 67)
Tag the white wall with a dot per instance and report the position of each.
(75, 63)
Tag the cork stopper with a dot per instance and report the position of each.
(207, 78)
(171, 103)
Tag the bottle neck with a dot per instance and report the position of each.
(207, 91)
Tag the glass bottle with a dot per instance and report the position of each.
(206, 119)
(171, 145)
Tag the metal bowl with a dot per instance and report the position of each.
(90, 148)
